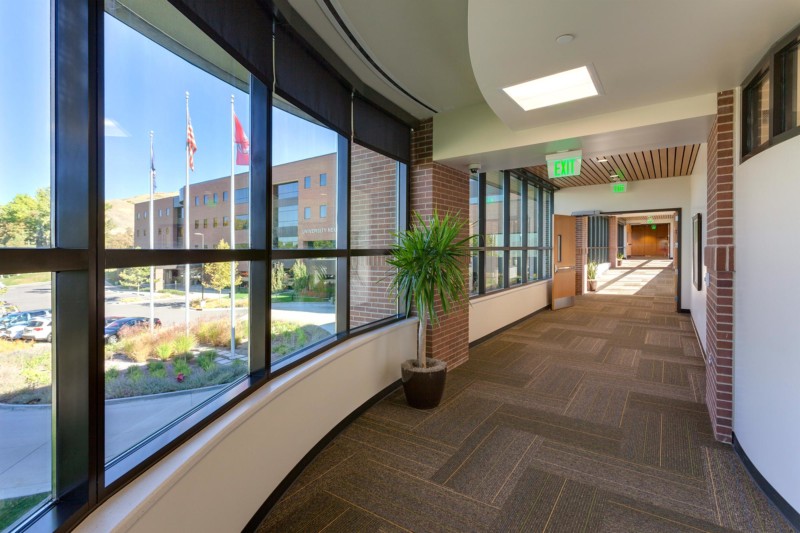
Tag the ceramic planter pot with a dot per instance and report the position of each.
(424, 386)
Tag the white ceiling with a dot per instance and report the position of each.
(456, 54)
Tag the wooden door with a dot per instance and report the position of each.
(563, 262)
(649, 241)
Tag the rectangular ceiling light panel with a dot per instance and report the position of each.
(563, 87)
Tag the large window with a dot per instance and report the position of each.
(510, 212)
(154, 282)
(770, 97)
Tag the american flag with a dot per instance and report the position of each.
(191, 145)
(152, 165)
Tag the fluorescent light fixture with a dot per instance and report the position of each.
(563, 87)
(602, 160)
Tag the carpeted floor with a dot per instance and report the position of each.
(586, 419)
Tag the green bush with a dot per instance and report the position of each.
(111, 374)
(181, 366)
(184, 344)
(134, 374)
(37, 370)
(157, 369)
(164, 350)
(206, 360)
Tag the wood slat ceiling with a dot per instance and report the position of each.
(633, 166)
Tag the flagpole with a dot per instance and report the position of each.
(152, 238)
(233, 229)
(186, 233)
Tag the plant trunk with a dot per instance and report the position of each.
(423, 329)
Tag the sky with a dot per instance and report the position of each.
(145, 88)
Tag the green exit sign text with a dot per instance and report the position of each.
(564, 164)
(565, 168)
(619, 187)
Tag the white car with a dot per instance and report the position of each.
(39, 329)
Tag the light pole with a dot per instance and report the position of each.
(202, 287)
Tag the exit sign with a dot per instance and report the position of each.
(619, 187)
(565, 164)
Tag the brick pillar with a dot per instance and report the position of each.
(581, 252)
(718, 258)
(612, 241)
(437, 187)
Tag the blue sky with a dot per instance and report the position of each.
(145, 88)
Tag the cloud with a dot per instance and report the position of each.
(113, 129)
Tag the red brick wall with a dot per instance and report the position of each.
(718, 258)
(581, 251)
(437, 187)
(612, 241)
(373, 197)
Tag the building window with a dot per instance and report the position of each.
(597, 239)
(196, 201)
(503, 254)
(323, 180)
(205, 199)
(205, 223)
(242, 222)
(307, 182)
(137, 232)
(284, 220)
(215, 222)
(166, 230)
(787, 72)
(323, 211)
(224, 196)
(755, 111)
(168, 211)
(241, 196)
(159, 231)
(160, 213)
(145, 214)
(216, 199)
(196, 224)
(138, 216)
(225, 221)
(306, 213)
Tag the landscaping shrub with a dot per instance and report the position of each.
(181, 366)
(134, 374)
(206, 360)
(157, 369)
(183, 344)
(164, 350)
(111, 374)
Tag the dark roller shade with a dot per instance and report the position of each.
(305, 80)
(380, 131)
(242, 27)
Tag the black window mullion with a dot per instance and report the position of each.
(540, 233)
(482, 233)
(524, 229)
(260, 225)
(506, 227)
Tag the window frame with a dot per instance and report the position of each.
(78, 259)
(769, 67)
(479, 246)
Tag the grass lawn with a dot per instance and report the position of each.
(22, 279)
(282, 297)
(11, 509)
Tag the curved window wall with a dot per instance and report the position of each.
(136, 267)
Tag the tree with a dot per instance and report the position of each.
(300, 275)
(134, 277)
(278, 277)
(218, 275)
(25, 220)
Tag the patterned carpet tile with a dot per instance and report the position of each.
(589, 419)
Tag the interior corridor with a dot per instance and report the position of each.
(590, 418)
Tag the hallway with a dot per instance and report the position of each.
(589, 418)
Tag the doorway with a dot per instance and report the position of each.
(650, 240)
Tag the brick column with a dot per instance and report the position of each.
(718, 258)
(612, 241)
(581, 252)
(437, 187)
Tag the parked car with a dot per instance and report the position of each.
(110, 319)
(39, 329)
(113, 329)
(13, 324)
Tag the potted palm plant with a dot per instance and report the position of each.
(591, 275)
(429, 261)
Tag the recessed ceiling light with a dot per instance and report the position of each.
(564, 39)
(613, 176)
(558, 88)
(602, 160)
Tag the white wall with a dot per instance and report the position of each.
(489, 313)
(657, 194)
(699, 196)
(766, 358)
(218, 479)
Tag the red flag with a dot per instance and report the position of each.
(191, 145)
(242, 143)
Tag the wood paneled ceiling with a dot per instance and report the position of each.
(633, 166)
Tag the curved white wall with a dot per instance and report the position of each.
(218, 479)
(766, 358)
(489, 313)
